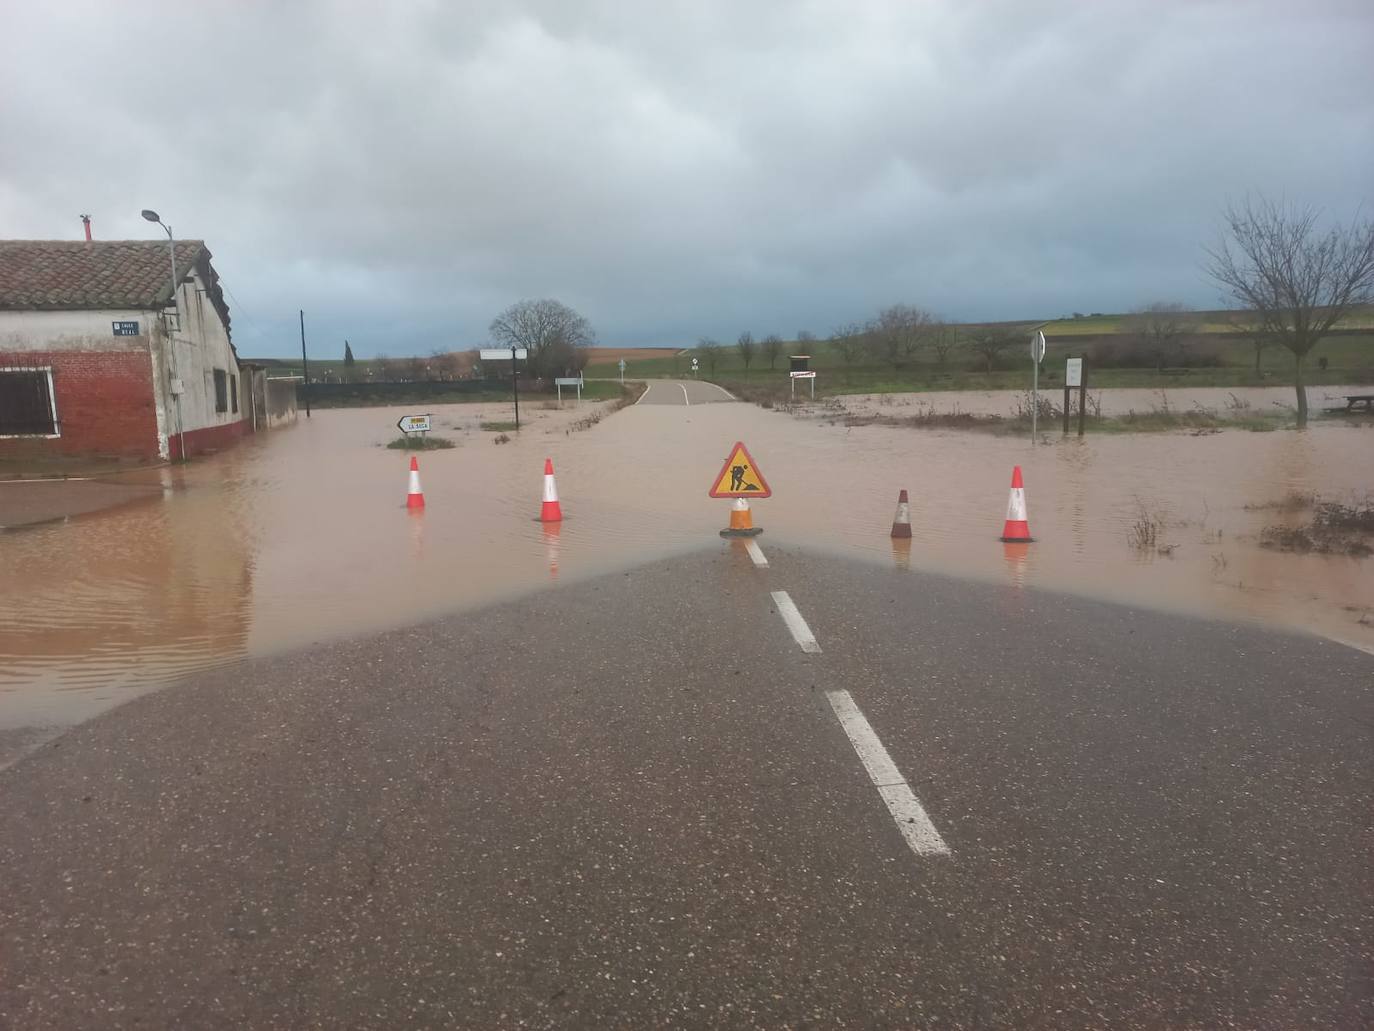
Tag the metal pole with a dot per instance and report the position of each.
(305, 368)
(1082, 395)
(1035, 391)
(515, 386)
(171, 343)
(1066, 401)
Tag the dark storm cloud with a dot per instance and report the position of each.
(404, 171)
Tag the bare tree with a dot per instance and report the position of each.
(1296, 280)
(805, 338)
(1160, 328)
(710, 353)
(898, 332)
(772, 348)
(1245, 325)
(747, 347)
(944, 338)
(553, 333)
(991, 341)
(849, 341)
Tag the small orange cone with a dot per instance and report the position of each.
(901, 522)
(1017, 529)
(741, 521)
(552, 511)
(415, 497)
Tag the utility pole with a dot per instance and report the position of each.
(152, 216)
(305, 368)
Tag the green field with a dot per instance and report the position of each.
(1350, 359)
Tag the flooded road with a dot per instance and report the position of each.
(301, 535)
(1113, 402)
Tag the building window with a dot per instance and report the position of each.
(234, 395)
(221, 391)
(28, 406)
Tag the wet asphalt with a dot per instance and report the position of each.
(683, 392)
(628, 803)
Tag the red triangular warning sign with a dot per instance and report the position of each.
(740, 477)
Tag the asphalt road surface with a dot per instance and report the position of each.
(683, 392)
(712, 792)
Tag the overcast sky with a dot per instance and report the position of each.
(403, 171)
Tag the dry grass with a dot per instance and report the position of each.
(1335, 529)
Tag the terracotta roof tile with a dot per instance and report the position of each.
(63, 274)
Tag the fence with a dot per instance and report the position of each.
(326, 395)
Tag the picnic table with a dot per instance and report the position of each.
(1351, 400)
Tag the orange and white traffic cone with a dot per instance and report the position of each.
(415, 497)
(741, 521)
(901, 522)
(1017, 529)
(552, 511)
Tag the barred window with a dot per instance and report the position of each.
(27, 406)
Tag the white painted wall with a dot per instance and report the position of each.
(200, 344)
(72, 330)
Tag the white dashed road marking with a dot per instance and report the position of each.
(795, 623)
(901, 802)
(756, 553)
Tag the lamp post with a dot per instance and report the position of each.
(152, 216)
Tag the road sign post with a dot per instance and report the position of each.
(1037, 349)
(567, 381)
(794, 376)
(695, 366)
(1082, 393)
(1073, 377)
(498, 354)
(622, 372)
(740, 478)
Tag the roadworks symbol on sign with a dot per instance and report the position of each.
(740, 477)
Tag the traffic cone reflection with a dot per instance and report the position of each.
(1017, 529)
(552, 532)
(415, 497)
(901, 552)
(551, 511)
(1017, 557)
(901, 522)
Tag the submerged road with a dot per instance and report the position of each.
(683, 392)
(747, 787)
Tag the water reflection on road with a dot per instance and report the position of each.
(302, 535)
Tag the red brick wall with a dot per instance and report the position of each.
(210, 438)
(104, 404)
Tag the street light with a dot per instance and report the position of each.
(152, 216)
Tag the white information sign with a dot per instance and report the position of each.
(413, 424)
(1073, 372)
(497, 354)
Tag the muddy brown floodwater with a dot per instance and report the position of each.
(301, 535)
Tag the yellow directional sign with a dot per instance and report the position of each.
(740, 477)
